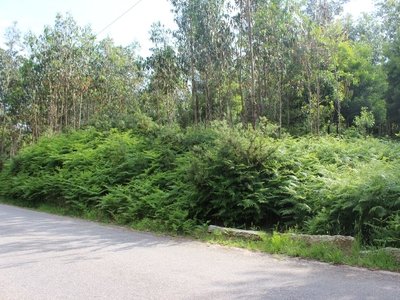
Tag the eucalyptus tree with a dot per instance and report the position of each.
(337, 77)
(212, 47)
(388, 13)
(224, 71)
(240, 47)
(165, 74)
(185, 12)
(312, 53)
(69, 79)
(11, 122)
(4, 86)
(323, 12)
(276, 30)
(116, 80)
(247, 47)
(317, 47)
(251, 57)
(5, 74)
(205, 52)
(204, 45)
(56, 83)
(361, 82)
(392, 68)
(366, 32)
(353, 78)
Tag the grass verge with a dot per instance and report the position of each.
(277, 244)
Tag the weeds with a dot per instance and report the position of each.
(283, 245)
(226, 176)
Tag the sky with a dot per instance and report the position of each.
(133, 26)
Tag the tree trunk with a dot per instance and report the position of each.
(192, 71)
(252, 95)
(280, 100)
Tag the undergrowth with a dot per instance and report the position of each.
(282, 245)
(174, 179)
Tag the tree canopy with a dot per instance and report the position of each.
(301, 65)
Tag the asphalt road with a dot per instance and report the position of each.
(43, 256)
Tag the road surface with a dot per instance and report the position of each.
(43, 256)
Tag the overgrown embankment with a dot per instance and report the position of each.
(224, 176)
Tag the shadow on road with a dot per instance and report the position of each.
(44, 232)
(35, 244)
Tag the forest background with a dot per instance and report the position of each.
(240, 89)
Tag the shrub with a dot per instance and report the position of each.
(222, 175)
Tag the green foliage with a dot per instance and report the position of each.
(230, 182)
(307, 71)
(386, 230)
(357, 190)
(284, 244)
(123, 166)
(220, 175)
(365, 121)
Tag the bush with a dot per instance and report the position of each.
(222, 175)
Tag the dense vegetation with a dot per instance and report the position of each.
(250, 114)
(222, 175)
(300, 64)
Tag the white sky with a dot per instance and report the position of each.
(356, 7)
(135, 25)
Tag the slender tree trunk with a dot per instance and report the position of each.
(74, 108)
(221, 114)
(3, 129)
(158, 107)
(259, 91)
(194, 100)
(280, 99)
(230, 102)
(267, 105)
(168, 108)
(252, 95)
(288, 112)
(244, 106)
(311, 100)
(80, 110)
(243, 101)
(339, 129)
(318, 102)
(208, 101)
